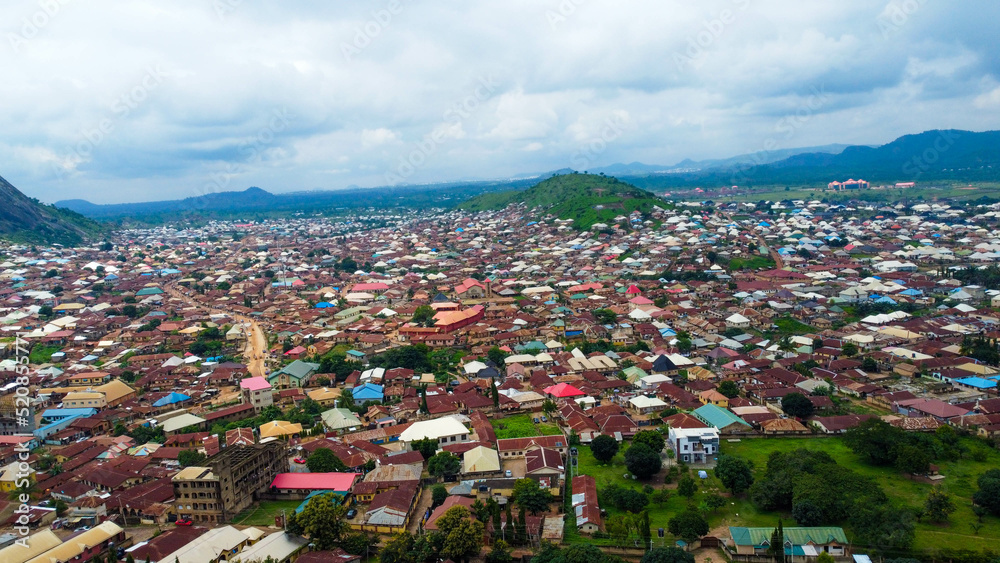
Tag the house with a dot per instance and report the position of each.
(294, 374)
(445, 430)
(368, 392)
(585, 505)
(713, 397)
(543, 462)
(723, 420)
(257, 392)
(480, 460)
(805, 542)
(646, 405)
(694, 445)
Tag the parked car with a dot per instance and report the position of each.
(351, 513)
(299, 460)
(82, 529)
(508, 473)
(183, 522)
(544, 419)
(536, 420)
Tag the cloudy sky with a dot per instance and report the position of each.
(145, 100)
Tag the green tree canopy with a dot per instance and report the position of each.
(604, 448)
(323, 460)
(642, 461)
(444, 463)
(735, 473)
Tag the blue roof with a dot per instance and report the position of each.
(54, 414)
(171, 399)
(368, 392)
(977, 382)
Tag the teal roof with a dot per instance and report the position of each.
(297, 369)
(717, 416)
(761, 537)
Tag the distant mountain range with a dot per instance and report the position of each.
(760, 157)
(946, 155)
(25, 220)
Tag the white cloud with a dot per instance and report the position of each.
(530, 91)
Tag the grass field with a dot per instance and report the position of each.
(264, 514)
(960, 482)
(739, 512)
(522, 426)
(41, 354)
(788, 325)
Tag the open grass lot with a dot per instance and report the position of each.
(522, 426)
(264, 514)
(788, 325)
(41, 354)
(739, 512)
(960, 482)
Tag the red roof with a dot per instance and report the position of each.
(563, 390)
(633, 290)
(316, 481)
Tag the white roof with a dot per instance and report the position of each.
(182, 421)
(208, 546)
(278, 546)
(437, 428)
(642, 402)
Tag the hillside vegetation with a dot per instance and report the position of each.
(25, 220)
(584, 198)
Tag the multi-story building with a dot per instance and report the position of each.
(694, 445)
(257, 392)
(228, 482)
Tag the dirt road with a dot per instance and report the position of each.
(255, 350)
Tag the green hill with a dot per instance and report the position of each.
(25, 220)
(584, 198)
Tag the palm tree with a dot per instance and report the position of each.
(785, 344)
(30, 489)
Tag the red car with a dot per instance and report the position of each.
(182, 522)
(299, 460)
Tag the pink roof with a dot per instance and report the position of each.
(315, 481)
(377, 286)
(563, 390)
(254, 384)
(632, 289)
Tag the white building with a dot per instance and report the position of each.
(446, 430)
(694, 445)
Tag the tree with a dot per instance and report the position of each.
(735, 473)
(604, 448)
(686, 487)
(729, 389)
(427, 447)
(660, 497)
(323, 520)
(462, 536)
(530, 496)
(423, 314)
(323, 460)
(605, 316)
(667, 555)
(494, 394)
(849, 349)
(807, 513)
(875, 440)
(988, 495)
(688, 525)
(825, 557)
(549, 407)
(714, 501)
(496, 355)
(797, 405)
(776, 548)
(882, 526)
(188, 458)
(869, 364)
(444, 463)
(404, 548)
(913, 460)
(939, 505)
(651, 438)
(642, 461)
(438, 494)
(500, 553)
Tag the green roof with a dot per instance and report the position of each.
(761, 537)
(297, 369)
(634, 373)
(717, 416)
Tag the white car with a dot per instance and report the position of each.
(508, 473)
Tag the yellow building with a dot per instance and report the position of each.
(10, 475)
